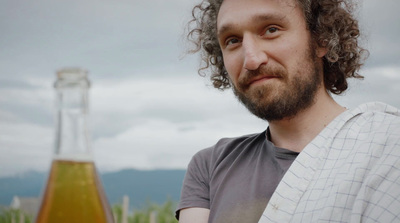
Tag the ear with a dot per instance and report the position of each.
(321, 52)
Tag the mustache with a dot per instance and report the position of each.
(262, 71)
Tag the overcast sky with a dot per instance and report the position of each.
(149, 108)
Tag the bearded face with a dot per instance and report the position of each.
(285, 95)
(272, 62)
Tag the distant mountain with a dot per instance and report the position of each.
(141, 186)
(24, 185)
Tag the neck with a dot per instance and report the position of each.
(296, 132)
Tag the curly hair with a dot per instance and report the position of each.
(330, 22)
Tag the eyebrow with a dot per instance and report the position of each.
(256, 18)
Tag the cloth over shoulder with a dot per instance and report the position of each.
(349, 173)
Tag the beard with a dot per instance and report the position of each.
(285, 99)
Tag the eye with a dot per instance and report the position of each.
(271, 31)
(231, 41)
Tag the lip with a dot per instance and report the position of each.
(261, 79)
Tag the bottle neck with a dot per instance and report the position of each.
(72, 135)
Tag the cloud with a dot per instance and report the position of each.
(30, 101)
(24, 147)
(16, 84)
(380, 84)
(379, 24)
(169, 120)
(112, 39)
(165, 144)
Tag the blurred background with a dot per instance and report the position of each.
(150, 110)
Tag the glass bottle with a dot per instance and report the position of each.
(74, 192)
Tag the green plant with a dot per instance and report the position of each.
(160, 213)
(14, 215)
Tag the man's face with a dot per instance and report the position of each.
(275, 70)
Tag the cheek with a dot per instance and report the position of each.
(233, 66)
(284, 51)
(288, 54)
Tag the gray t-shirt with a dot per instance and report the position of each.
(235, 178)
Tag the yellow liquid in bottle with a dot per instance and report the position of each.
(74, 194)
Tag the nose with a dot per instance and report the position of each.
(254, 54)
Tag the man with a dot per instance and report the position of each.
(317, 161)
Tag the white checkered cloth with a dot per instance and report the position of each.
(349, 173)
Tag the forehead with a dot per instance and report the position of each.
(238, 11)
(230, 4)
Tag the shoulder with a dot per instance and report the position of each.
(371, 130)
(226, 148)
(376, 110)
(374, 129)
(376, 118)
